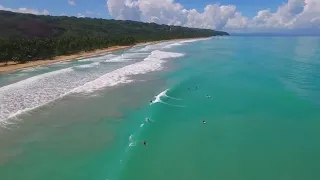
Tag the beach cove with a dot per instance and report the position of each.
(86, 119)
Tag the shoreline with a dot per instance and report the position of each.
(13, 67)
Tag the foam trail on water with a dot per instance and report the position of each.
(172, 105)
(164, 94)
(131, 141)
(173, 98)
(158, 97)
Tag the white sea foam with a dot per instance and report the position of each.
(88, 65)
(127, 57)
(31, 93)
(173, 45)
(164, 94)
(158, 97)
(131, 141)
(172, 104)
(35, 79)
(85, 60)
(184, 42)
(152, 63)
(31, 69)
(21, 74)
(194, 40)
(131, 138)
(152, 47)
(170, 44)
(138, 47)
(39, 90)
(98, 58)
(62, 63)
(173, 98)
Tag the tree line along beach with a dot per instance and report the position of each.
(28, 40)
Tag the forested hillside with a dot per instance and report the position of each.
(25, 37)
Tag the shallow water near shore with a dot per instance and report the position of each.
(261, 103)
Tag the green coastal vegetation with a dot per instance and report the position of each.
(28, 37)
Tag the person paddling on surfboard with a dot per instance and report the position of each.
(204, 122)
(144, 143)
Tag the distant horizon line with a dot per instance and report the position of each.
(272, 34)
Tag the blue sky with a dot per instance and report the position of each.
(231, 15)
(247, 7)
(57, 7)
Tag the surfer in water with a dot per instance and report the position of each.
(144, 143)
(208, 96)
(204, 122)
(148, 120)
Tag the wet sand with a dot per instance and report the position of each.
(12, 66)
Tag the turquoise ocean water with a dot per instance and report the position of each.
(85, 119)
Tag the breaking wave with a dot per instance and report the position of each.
(152, 63)
(39, 90)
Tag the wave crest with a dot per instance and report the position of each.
(152, 63)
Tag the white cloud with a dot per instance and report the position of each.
(291, 15)
(213, 17)
(26, 10)
(124, 9)
(284, 17)
(169, 12)
(45, 12)
(72, 2)
(237, 22)
(89, 12)
(79, 15)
